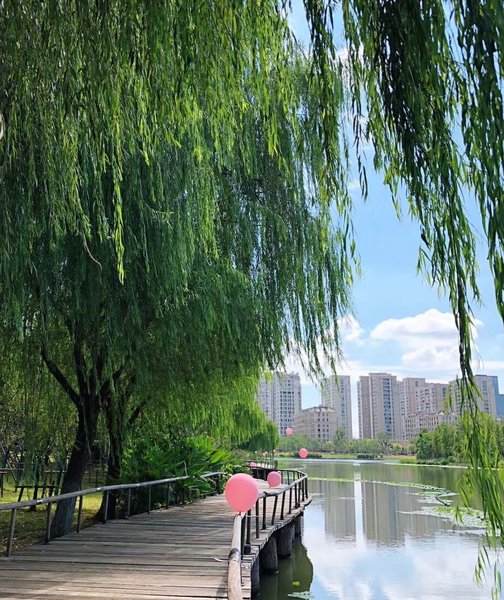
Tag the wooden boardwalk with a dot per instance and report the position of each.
(179, 553)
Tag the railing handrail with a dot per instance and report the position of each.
(101, 489)
(242, 522)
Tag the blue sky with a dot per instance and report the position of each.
(400, 324)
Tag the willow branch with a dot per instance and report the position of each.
(60, 378)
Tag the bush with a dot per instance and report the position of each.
(171, 456)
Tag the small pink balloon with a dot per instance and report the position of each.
(289, 431)
(274, 479)
(303, 452)
(241, 492)
(252, 464)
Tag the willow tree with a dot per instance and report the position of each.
(122, 121)
(165, 173)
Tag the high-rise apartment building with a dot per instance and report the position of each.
(378, 396)
(429, 421)
(431, 398)
(336, 394)
(487, 385)
(408, 389)
(404, 408)
(317, 423)
(279, 395)
(364, 407)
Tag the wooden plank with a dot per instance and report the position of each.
(179, 553)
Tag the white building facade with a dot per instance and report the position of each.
(379, 406)
(279, 396)
(405, 408)
(336, 394)
(317, 423)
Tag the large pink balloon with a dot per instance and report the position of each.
(303, 452)
(289, 431)
(274, 479)
(241, 492)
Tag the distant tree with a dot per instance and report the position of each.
(397, 448)
(424, 446)
(339, 439)
(383, 439)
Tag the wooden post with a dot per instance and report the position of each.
(268, 557)
(234, 583)
(48, 523)
(255, 577)
(79, 514)
(285, 537)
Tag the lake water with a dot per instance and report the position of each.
(381, 531)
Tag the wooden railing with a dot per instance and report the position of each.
(290, 498)
(128, 488)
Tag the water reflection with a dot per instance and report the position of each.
(295, 576)
(368, 538)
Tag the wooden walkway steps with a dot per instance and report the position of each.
(179, 553)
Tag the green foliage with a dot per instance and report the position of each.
(174, 454)
(30, 405)
(176, 184)
(265, 440)
(446, 442)
(340, 438)
(296, 441)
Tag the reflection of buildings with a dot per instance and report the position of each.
(335, 392)
(279, 395)
(339, 506)
(374, 511)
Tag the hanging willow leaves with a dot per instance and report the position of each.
(167, 172)
(421, 72)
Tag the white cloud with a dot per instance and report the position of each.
(427, 342)
(423, 359)
(351, 330)
(431, 326)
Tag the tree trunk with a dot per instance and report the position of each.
(117, 426)
(116, 437)
(79, 458)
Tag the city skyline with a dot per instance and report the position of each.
(427, 404)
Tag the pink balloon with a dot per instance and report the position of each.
(252, 464)
(274, 479)
(303, 452)
(241, 492)
(289, 431)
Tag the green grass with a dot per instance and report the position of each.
(30, 525)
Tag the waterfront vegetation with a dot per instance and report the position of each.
(443, 445)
